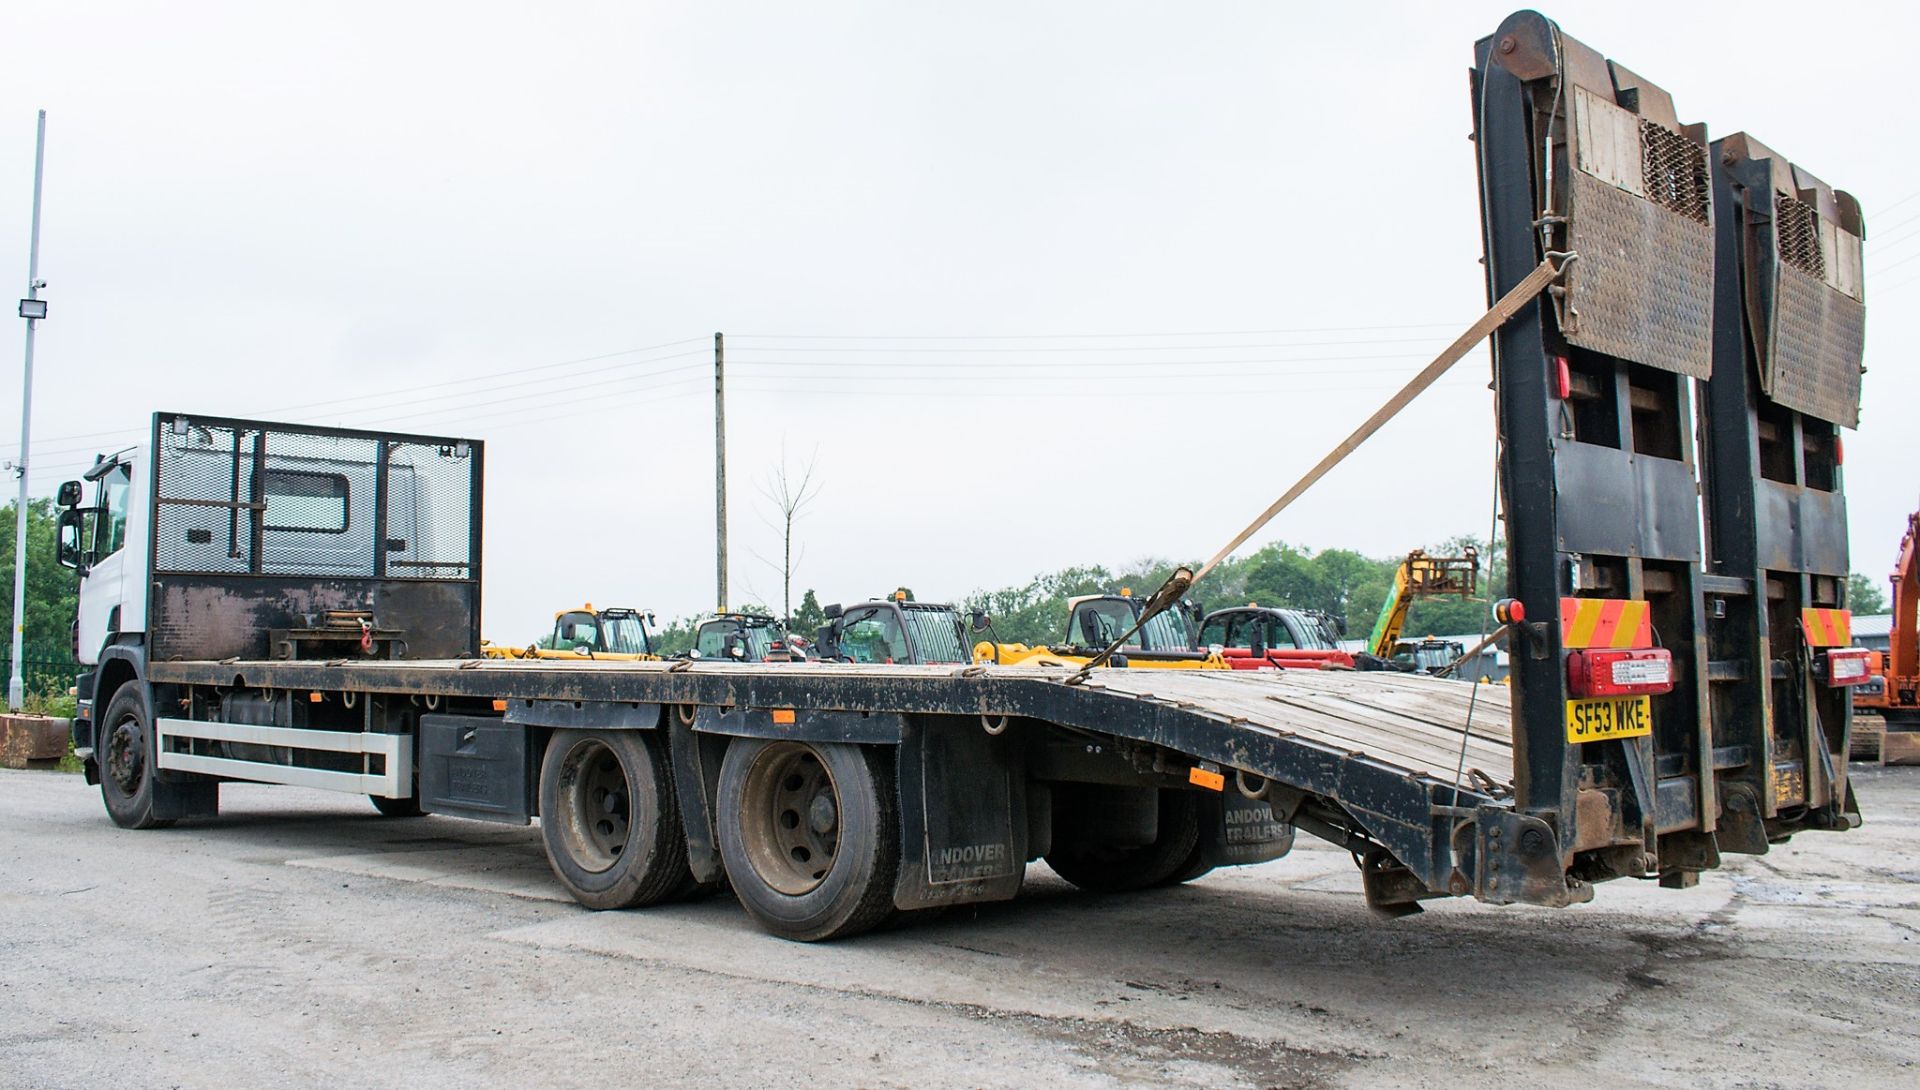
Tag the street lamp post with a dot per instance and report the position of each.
(33, 309)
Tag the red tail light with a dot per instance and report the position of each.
(1643, 671)
(1562, 378)
(1844, 666)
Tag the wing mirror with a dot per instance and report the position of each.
(832, 612)
(979, 621)
(69, 551)
(70, 494)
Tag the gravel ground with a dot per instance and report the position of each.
(301, 940)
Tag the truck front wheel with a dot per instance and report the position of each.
(810, 835)
(126, 760)
(609, 819)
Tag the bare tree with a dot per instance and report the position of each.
(790, 494)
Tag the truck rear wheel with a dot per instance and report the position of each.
(126, 760)
(609, 818)
(1173, 856)
(1194, 866)
(810, 835)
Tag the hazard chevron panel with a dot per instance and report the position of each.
(1605, 622)
(1827, 627)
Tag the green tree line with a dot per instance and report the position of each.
(53, 593)
(1340, 582)
(1349, 586)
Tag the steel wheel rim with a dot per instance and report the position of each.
(126, 756)
(790, 818)
(596, 805)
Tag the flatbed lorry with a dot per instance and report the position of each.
(288, 604)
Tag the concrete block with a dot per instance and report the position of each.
(30, 741)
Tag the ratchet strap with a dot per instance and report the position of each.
(1509, 304)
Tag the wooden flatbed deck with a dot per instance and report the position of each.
(1409, 724)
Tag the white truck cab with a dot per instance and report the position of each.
(94, 539)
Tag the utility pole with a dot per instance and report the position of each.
(32, 309)
(719, 469)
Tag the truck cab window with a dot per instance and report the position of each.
(937, 635)
(576, 629)
(115, 488)
(1163, 632)
(624, 634)
(1214, 632)
(303, 500)
(1240, 631)
(1097, 624)
(752, 640)
(1278, 634)
(873, 635)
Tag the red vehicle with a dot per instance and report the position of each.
(1253, 637)
(1893, 687)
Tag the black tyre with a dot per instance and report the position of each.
(1194, 866)
(694, 889)
(396, 808)
(126, 760)
(1173, 857)
(810, 835)
(610, 820)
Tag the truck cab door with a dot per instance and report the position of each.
(103, 579)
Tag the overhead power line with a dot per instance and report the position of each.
(1020, 392)
(1101, 347)
(1079, 336)
(386, 397)
(975, 366)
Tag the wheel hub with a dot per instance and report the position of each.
(822, 818)
(594, 804)
(126, 756)
(791, 818)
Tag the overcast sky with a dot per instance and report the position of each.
(1159, 258)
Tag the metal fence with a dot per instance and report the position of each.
(47, 667)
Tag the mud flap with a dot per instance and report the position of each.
(1236, 831)
(177, 795)
(196, 797)
(477, 767)
(963, 814)
(696, 780)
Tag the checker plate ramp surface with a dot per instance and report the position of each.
(1643, 287)
(1819, 339)
(1639, 211)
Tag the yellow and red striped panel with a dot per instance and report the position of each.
(1605, 622)
(1827, 627)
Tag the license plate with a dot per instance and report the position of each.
(1609, 717)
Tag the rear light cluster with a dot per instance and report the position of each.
(1638, 672)
(1844, 666)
